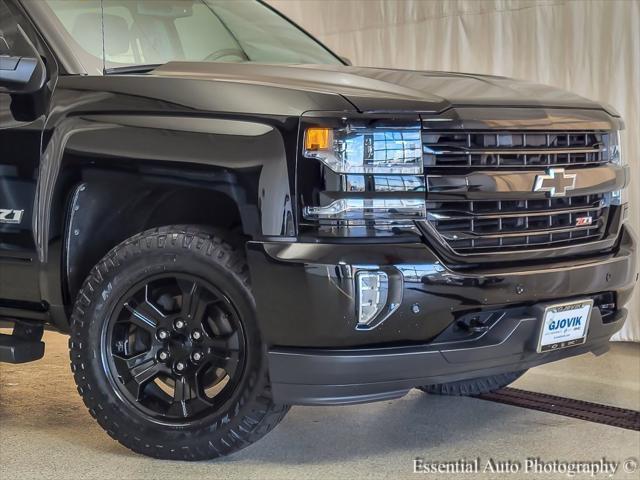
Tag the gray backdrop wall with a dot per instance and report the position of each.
(589, 47)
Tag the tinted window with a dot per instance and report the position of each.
(13, 38)
(158, 31)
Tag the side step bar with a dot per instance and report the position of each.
(24, 345)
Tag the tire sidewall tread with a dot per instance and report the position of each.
(473, 386)
(249, 417)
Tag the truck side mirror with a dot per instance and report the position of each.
(21, 75)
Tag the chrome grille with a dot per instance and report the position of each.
(498, 225)
(513, 149)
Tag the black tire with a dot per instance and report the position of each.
(247, 411)
(473, 386)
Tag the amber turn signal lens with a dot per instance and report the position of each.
(317, 139)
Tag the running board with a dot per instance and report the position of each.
(23, 345)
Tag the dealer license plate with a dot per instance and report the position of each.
(564, 325)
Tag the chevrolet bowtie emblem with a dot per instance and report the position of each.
(556, 182)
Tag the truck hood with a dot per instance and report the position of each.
(376, 89)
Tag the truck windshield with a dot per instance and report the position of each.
(126, 35)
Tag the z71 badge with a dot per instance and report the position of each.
(11, 216)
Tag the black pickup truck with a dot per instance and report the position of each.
(228, 219)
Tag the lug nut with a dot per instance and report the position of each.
(180, 366)
(163, 334)
(179, 324)
(196, 334)
(163, 356)
(196, 356)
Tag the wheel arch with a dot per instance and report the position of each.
(107, 177)
(108, 207)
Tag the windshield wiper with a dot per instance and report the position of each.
(143, 68)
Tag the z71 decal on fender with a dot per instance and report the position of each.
(11, 216)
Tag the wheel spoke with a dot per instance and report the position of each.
(227, 360)
(223, 343)
(231, 363)
(137, 371)
(185, 389)
(130, 363)
(218, 359)
(228, 363)
(194, 301)
(187, 399)
(143, 315)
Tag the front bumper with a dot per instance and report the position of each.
(306, 306)
(322, 377)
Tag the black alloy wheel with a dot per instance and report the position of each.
(166, 349)
(175, 347)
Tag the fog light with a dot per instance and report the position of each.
(373, 290)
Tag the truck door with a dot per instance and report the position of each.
(22, 118)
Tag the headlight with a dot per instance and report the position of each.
(614, 154)
(613, 148)
(366, 150)
(359, 209)
(361, 176)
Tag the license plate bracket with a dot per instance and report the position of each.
(564, 325)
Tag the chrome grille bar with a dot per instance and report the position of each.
(492, 226)
(454, 235)
(447, 216)
(450, 149)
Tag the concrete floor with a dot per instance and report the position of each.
(45, 431)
